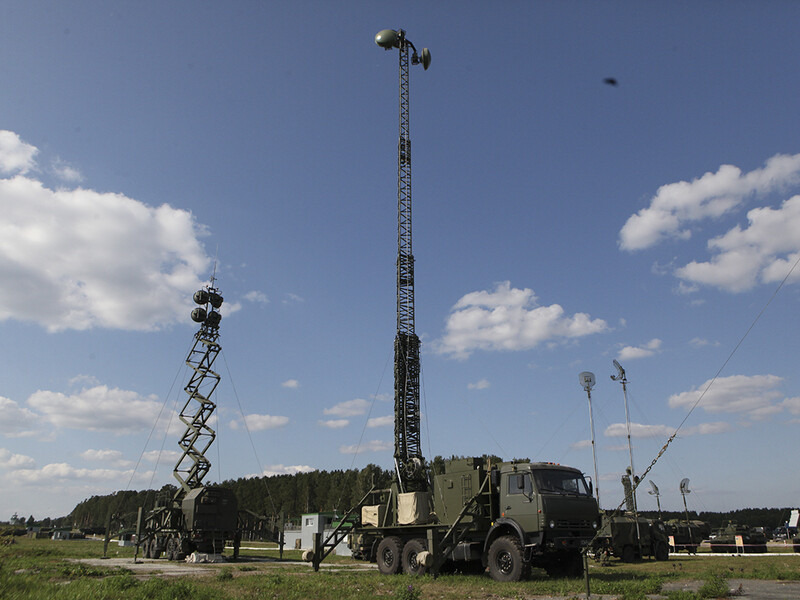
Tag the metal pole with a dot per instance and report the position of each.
(594, 454)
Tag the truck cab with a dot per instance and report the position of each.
(549, 510)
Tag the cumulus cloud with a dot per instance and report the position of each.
(509, 319)
(373, 446)
(82, 259)
(755, 396)
(15, 155)
(15, 461)
(335, 423)
(639, 430)
(482, 384)
(261, 422)
(99, 408)
(676, 206)
(161, 455)
(110, 456)
(273, 470)
(17, 421)
(291, 383)
(348, 408)
(380, 421)
(648, 349)
(258, 297)
(764, 251)
(66, 172)
(66, 473)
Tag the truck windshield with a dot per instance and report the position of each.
(560, 482)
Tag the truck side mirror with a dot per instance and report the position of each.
(494, 478)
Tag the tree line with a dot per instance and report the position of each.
(325, 491)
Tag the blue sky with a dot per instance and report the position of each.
(559, 223)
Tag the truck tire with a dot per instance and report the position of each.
(389, 555)
(145, 546)
(155, 548)
(410, 551)
(506, 560)
(661, 551)
(564, 564)
(628, 554)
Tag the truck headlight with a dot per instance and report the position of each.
(552, 524)
(594, 524)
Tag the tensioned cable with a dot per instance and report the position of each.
(716, 375)
(247, 429)
(366, 422)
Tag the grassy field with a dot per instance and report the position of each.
(45, 569)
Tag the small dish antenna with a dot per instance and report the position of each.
(654, 491)
(587, 380)
(685, 486)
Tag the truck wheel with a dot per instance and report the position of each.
(155, 548)
(564, 564)
(506, 561)
(410, 551)
(145, 547)
(661, 551)
(628, 554)
(389, 555)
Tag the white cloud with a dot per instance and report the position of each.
(581, 445)
(763, 252)
(479, 385)
(648, 349)
(63, 472)
(348, 408)
(677, 205)
(81, 259)
(258, 297)
(335, 423)
(291, 383)
(66, 172)
(111, 456)
(792, 405)
(15, 155)
(639, 430)
(754, 396)
(380, 421)
(261, 422)
(161, 455)
(373, 446)
(17, 420)
(15, 461)
(509, 319)
(273, 470)
(290, 298)
(97, 409)
(698, 342)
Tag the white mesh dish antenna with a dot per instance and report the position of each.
(587, 380)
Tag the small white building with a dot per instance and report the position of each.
(310, 524)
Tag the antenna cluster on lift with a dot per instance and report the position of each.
(193, 464)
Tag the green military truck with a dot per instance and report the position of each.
(619, 536)
(687, 535)
(508, 517)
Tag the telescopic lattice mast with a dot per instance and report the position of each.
(193, 465)
(409, 462)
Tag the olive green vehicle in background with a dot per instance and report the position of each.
(725, 540)
(508, 517)
(620, 537)
(687, 535)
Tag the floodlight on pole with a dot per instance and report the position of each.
(410, 466)
(587, 381)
